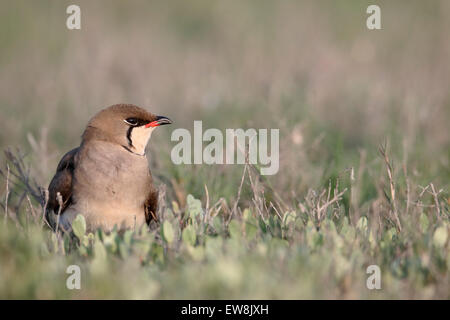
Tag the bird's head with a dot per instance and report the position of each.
(124, 124)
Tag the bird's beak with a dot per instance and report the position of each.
(160, 120)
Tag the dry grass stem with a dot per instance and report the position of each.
(382, 150)
(436, 200)
(7, 193)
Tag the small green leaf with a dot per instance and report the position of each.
(123, 250)
(250, 230)
(83, 250)
(424, 222)
(99, 251)
(141, 248)
(54, 238)
(347, 231)
(235, 229)
(391, 234)
(189, 235)
(314, 238)
(329, 225)
(175, 207)
(110, 241)
(440, 236)
(85, 241)
(262, 225)
(197, 253)
(246, 214)
(157, 252)
(310, 227)
(362, 224)
(168, 232)
(194, 206)
(217, 223)
(288, 218)
(127, 237)
(79, 226)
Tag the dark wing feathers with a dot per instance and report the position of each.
(151, 206)
(62, 183)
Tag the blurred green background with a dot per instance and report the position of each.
(335, 89)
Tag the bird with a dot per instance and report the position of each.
(107, 178)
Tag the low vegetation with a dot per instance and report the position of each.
(221, 250)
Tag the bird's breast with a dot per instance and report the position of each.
(111, 185)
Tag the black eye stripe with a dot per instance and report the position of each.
(130, 143)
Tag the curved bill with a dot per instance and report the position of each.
(160, 120)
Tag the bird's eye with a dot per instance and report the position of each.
(132, 121)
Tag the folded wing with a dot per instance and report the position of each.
(62, 184)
